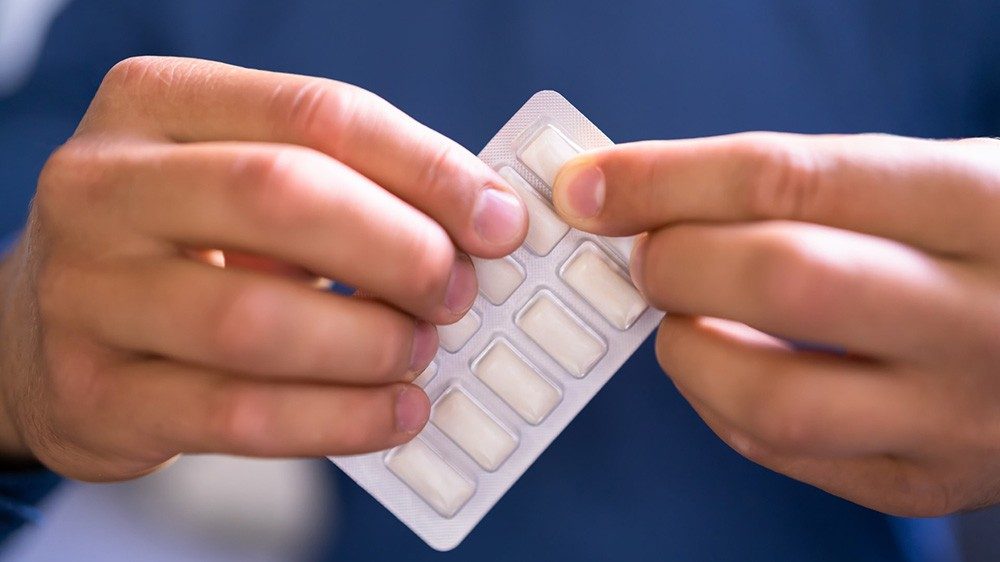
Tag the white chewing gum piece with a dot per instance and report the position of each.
(498, 278)
(546, 153)
(453, 336)
(515, 381)
(472, 429)
(545, 228)
(595, 277)
(433, 479)
(560, 334)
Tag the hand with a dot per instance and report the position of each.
(125, 343)
(886, 248)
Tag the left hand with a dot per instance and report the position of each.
(886, 248)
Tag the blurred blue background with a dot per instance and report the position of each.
(636, 476)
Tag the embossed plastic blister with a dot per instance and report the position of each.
(552, 323)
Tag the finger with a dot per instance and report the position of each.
(290, 204)
(243, 322)
(881, 482)
(814, 283)
(794, 402)
(936, 195)
(189, 100)
(192, 410)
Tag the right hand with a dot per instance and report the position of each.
(124, 344)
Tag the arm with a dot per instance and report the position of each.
(23, 482)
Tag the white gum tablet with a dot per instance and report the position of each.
(560, 334)
(433, 479)
(598, 280)
(545, 228)
(546, 153)
(426, 375)
(518, 383)
(498, 278)
(472, 429)
(453, 336)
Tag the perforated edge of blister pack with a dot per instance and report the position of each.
(476, 480)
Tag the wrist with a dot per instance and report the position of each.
(13, 450)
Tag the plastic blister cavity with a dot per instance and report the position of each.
(553, 322)
(514, 379)
(545, 229)
(560, 334)
(598, 280)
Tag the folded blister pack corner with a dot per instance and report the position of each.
(552, 324)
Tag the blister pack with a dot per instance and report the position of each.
(552, 323)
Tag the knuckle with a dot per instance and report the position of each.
(793, 282)
(316, 110)
(242, 326)
(143, 77)
(66, 165)
(147, 72)
(129, 73)
(84, 174)
(436, 168)
(277, 187)
(782, 180)
(73, 172)
(242, 418)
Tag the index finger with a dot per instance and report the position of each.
(932, 194)
(186, 100)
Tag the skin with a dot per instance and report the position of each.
(883, 251)
(163, 298)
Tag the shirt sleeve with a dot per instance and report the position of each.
(22, 488)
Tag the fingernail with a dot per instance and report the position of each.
(462, 286)
(635, 264)
(498, 216)
(425, 344)
(580, 191)
(412, 409)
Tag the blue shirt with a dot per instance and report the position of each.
(636, 476)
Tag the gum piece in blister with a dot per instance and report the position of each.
(498, 278)
(426, 375)
(546, 153)
(545, 228)
(472, 429)
(511, 377)
(599, 281)
(560, 334)
(434, 480)
(453, 336)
